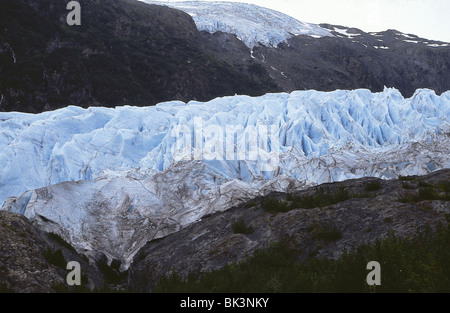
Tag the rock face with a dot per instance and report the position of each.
(252, 24)
(129, 52)
(355, 59)
(124, 52)
(33, 261)
(211, 243)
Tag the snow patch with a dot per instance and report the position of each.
(343, 31)
(438, 45)
(411, 41)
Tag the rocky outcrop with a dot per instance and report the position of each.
(32, 261)
(376, 209)
(131, 53)
(356, 59)
(124, 53)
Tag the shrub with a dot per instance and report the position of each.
(61, 241)
(445, 187)
(428, 194)
(327, 233)
(239, 227)
(5, 289)
(56, 258)
(251, 204)
(417, 265)
(273, 205)
(407, 186)
(373, 186)
(424, 184)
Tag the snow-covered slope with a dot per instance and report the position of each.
(109, 180)
(251, 23)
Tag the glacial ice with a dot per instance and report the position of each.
(250, 23)
(110, 179)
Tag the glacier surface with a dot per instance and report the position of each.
(252, 24)
(109, 179)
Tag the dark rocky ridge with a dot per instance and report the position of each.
(369, 61)
(124, 52)
(32, 261)
(27, 266)
(130, 53)
(211, 243)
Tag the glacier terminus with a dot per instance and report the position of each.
(108, 180)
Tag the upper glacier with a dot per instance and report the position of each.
(251, 23)
(110, 179)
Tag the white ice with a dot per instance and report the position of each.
(110, 179)
(252, 24)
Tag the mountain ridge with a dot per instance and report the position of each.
(130, 53)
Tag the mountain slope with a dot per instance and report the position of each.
(252, 24)
(124, 52)
(322, 231)
(355, 59)
(129, 52)
(152, 171)
(302, 56)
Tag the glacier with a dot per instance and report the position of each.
(108, 180)
(252, 24)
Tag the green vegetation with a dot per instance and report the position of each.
(405, 185)
(4, 288)
(407, 178)
(251, 203)
(55, 258)
(418, 265)
(327, 233)
(320, 199)
(373, 186)
(239, 227)
(61, 241)
(428, 193)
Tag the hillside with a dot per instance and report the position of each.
(127, 52)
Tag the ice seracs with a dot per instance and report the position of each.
(108, 180)
(252, 24)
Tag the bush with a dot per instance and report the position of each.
(427, 193)
(239, 227)
(111, 273)
(273, 205)
(5, 289)
(373, 186)
(407, 186)
(327, 233)
(56, 258)
(318, 200)
(419, 265)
